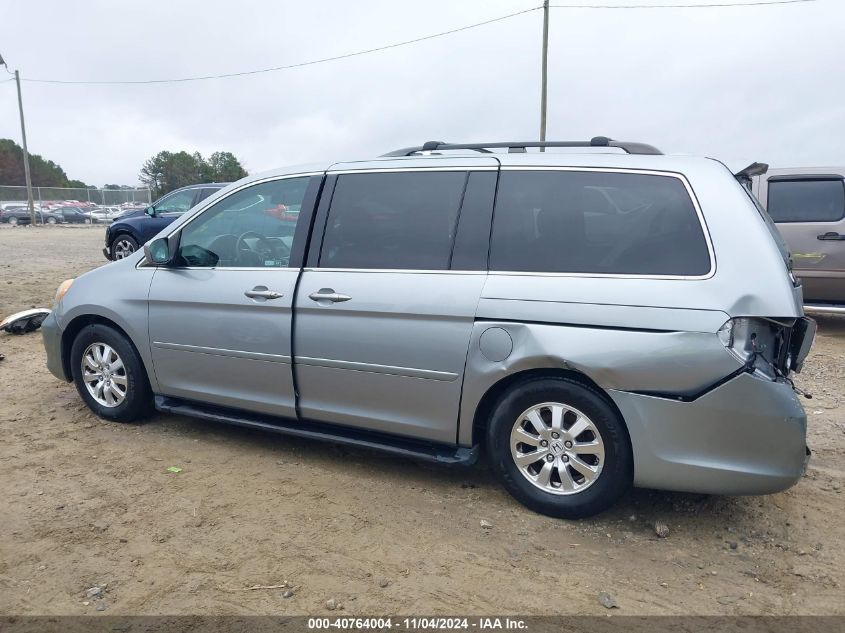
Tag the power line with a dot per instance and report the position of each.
(289, 66)
(710, 5)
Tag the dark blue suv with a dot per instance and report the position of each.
(133, 229)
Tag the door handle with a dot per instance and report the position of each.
(262, 292)
(831, 235)
(329, 295)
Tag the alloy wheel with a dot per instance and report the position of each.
(557, 448)
(104, 374)
(123, 248)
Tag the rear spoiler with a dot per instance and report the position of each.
(744, 176)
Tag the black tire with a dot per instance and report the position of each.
(13, 221)
(51, 220)
(138, 400)
(122, 237)
(616, 475)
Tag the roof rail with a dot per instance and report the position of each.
(519, 146)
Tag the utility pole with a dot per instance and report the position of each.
(25, 154)
(545, 72)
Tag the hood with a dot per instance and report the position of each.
(134, 213)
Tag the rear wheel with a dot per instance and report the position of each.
(560, 448)
(109, 374)
(123, 246)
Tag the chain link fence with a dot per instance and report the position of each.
(48, 196)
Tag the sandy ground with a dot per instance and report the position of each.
(87, 503)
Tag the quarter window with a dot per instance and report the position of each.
(596, 222)
(400, 220)
(251, 228)
(812, 200)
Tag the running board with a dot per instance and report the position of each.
(320, 431)
(824, 308)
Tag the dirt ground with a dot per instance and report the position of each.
(86, 503)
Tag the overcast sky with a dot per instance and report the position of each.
(739, 84)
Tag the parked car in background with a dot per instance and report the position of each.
(15, 215)
(808, 207)
(11, 203)
(132, 229)
(104, 215)
(74, 215)
(584, 333)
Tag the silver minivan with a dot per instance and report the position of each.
(594, 317)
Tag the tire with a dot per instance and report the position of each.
(137, 399)
(122, 246)
(13, 221)
(554, 488)
(51, 220)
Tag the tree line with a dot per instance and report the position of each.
(162, 173)
(44, 173)
(167, 171)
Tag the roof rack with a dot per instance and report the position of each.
(519, 146)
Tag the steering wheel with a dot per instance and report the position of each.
(264, 248)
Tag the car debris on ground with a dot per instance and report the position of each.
(24, 322)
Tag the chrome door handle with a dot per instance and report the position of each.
(262, 292)
(327, 294)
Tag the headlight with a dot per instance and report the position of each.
(62, 290)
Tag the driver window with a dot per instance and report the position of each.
(252, 228)
(177, 203)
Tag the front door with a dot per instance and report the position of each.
(382, 323)
(810, 214)
(220, 318)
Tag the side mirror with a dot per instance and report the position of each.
(150, 211)
(162, 251)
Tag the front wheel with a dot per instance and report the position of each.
(123, 246)
(51, 220)
(560, 448)
(13, 221)
(109, 374)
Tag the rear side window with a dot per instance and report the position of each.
(205, 192)
(811, 200)
(400, 220)
(594, 222)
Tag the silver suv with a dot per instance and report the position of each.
(808, 207)
(592, 319)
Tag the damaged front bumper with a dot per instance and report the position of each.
(52, 337)
(746, 436)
